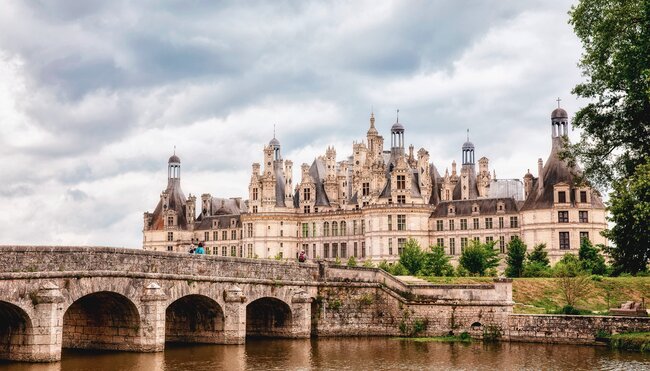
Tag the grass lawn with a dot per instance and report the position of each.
(542, 295)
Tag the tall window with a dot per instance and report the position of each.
(561, 197)
(502, 245)
(401, 222)
(583, 216)
(326, 250)
(564, 241)
(224, 250)
(476, 226)
(452, 246)
(488, 223)
(313, 230)
(233, 235)
(583, 196)
(365, 188)
(500, 222)
(249, 230)
(224, 235)
(514, 222)
(356, 253)
(401, 182)
(463, 244)
(170, 221)
(326, 229)
(439, 225)
(250, 250)
(254, 194)
(355, 228)
(344, 228)
(390, 222)
(489, 239)
(307, 209)
(335, 229)
(584, 236)
(390, 246)
(206, 236)
(440, 241)
(215, 235)
(306, 194)
(233, 250)
(400, 245)
(463, 224)
(363, 226)
(344, 250)
(451, 225)
(305, 230)
(363, 249)
(170, 236)
(563, 216)
(335, 250)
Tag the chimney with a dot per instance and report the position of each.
(540, 179)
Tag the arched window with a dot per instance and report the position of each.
(344, 230)
(326, 229)
(335, 229)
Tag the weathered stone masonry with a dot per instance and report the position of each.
(124, 299)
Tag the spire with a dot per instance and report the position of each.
(558, 102)
(468, 134)
(274, 131)
(397, 116)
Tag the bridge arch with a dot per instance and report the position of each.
(268, 317)
(101, 320)
(194, 318)
(15, 332)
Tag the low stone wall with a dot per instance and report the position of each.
(569, 329)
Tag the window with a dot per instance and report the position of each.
(215, 250)
(355, 228)
(363, 249)
(250, 250)
(344, 228)
(215, 235)
(400, 245)
(326, 248)
(305, 230)
(335, 250)
(281, 232)
(206, 236)
(500, 222)
(451, 225)
(463, 244)
(584, 236)
(512, 238)
(401, 222)
(363, 226)
(489, 239)
(356, 250)
(170, 248)
(561, 197)
(563, 216)
(170, 221)
(401, 182)
(314, 252)
(583, 216)
(233, 250)
(306, 194)
(440, 241)
(254, 209)
(249, 230)
(452, 246)
(307, 209)
(224, 235)
(313, 231)
(476, 225)
(564, 241)
(502, 245)
(233, 235)
(477, 239)
(170, 236)
(254, 194)
(390, 222)
(401, 199)
(463, 224)
(344, 250)
(390, 246)
(583, 196)
(365, 189)
(514, 222)
(335, 229)
(488, 223)
(326, 229)
(224, 250)
(439, 225)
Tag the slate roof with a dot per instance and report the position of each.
(176, 202)
(487, 206)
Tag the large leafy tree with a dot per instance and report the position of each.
(437, 263)
(630, 211)
(515, 257)
(478, 258)
(412, 257)
(615, 35)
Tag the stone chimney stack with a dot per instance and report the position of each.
(540, 169)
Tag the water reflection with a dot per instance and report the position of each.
(375, 354)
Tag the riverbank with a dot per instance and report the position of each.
(636, 341)
(542, 295)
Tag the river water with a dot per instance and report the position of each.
(352, 354)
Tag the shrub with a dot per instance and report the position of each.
(399, 270)
(478, 257)
(536, 269)
(412, 257)
(436, 263)
(352, 262)
(590, 258)
(368, 264)
(516, 255)
(573, 281)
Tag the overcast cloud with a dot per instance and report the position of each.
(94, 95)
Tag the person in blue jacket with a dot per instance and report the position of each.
(199, 250)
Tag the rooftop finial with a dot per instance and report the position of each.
(398, 115)
(174, 149)
(558, 102)
(273, 130)
(468, 135)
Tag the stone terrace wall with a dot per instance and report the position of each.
(569, 329)
(35, 259)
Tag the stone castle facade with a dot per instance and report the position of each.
(368, 204)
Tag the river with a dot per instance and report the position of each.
(351, 354)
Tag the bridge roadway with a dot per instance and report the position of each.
(134, 300)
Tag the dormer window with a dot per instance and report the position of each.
(170, 221)
(475, 209)
(451, 210)
(501, 207)
(561, 197)
(306, 194)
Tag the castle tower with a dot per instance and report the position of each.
(397, 138)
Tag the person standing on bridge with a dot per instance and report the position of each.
(199, 250)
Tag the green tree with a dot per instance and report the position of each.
(616, 123)
(477, 258)
(590, 258)
(629, 209)
(436, 263)
(572, 280)
(412, 256)
(515, 258)
(352, 262)
(537, 262)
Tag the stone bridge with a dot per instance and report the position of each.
(133, 300)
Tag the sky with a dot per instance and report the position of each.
(95, 95)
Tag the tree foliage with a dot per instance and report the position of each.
(412, 256)
(477, 258)
(436, 263)
(537, 262)
(616, 62)
(572, 279)
(590, 258)
(629, 210)
(515, 258)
